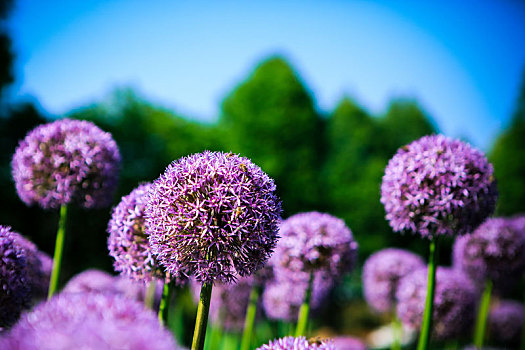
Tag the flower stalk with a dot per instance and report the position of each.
(249, 320)
(165, 303)
(59, 247)
(201, 321)
(424, 336)
(481, 321)
(305, 309)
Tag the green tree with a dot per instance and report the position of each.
(270, 118)
(508, 157)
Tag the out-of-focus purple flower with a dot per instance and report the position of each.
(88, 321)
(454, 301)
(438, 186)
(312, 242)
(66, 161)
(348, 343)
(495, 251)
(228, 302)
(214, 215)
(299, 343)
(382, 273)
(505, 322)
(128, 243)
(282, 297)
(38, 267)
(15, 290)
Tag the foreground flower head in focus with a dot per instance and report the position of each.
(495, 251)
(128, 243)
(454, 302)
(298, 343)
(505, 322)
(88, 321)
(438, 186)
(315, 241)
(66, 161)
(214, 215)
(382, 272)
(15, 290)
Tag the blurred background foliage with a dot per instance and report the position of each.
(326, 161)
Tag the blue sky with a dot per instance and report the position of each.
(462, 60)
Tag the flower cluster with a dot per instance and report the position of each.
(495, 250)
(438, 186)
(313, 242)
(454, 301)
(505, 322)
(214, 215)
(382, 273)
(299, 343)
(128, 243)
(88, 321)
(15, 290)
(66, 161)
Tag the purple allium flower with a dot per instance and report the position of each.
(505, 321)
(88, 321)
(128, 243)
(454, 301)
(348, 343)
(299, 343)
(438, 186)
(495, 250)
(213, 214)
(15, 290)
(228, 302)
(312, 242)
(282, 297)
(382, 272)
(66, 161)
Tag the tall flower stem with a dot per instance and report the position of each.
(249, 320)
(424, 336)
(397, 330)
(305, 309)
(165, 303)
(150, 294)
(483, 310)
(202, 317)
(59, 247)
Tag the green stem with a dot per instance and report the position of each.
(397, 330)
(249, 320)
(483, 311)
(214, 340)
(424, 336)
(150, 294)
(59, 247)
(202, 317)
(165, 303)
(305, 309)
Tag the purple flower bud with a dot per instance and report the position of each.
(299, 343)
(382, 273)
(88, 321)
(505, 322)
(128, 243)
(438, 186)
(495, 251)
(214, 215)
(454, 301)
(66, 161)
(315, 241)
(15, 290)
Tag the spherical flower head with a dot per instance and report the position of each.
(128, 243)
(454, 302)
(348, 342)
(15, 290)
(66, 161)
(88, 321)
(315, 241)
(214, 215)
(228, 302)
(299, 343)
(282, 297)
(438, 186)
(495, 251)
(505, 321)
(382, 272)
